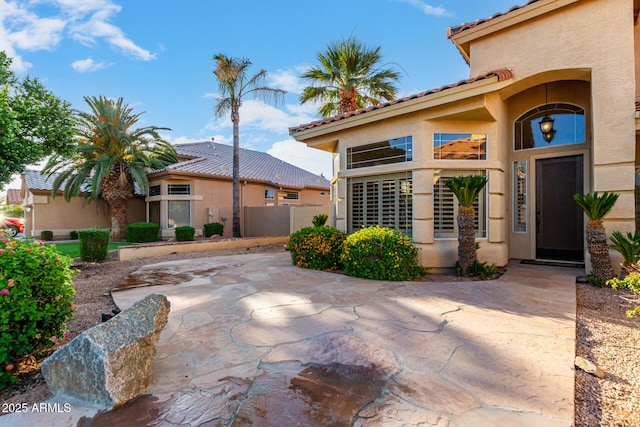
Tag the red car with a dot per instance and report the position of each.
(14, 225)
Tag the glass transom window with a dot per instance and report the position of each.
(459, 146)
(179, 189)
(397, 150)
(568, 123)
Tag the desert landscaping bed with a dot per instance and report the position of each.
(604, 336)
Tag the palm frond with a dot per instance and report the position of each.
(596, 206)
(466, 188)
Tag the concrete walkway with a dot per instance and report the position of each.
(252, 340)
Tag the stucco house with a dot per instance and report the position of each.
(194, 191)
(570, 64)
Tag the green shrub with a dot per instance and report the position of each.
(46, 235)
(36, 299)
(212, 228)
(317, 248)
(142, 232)
(631, 282)
(628, 246)
(73, 235)
(185, 233)
(482, 271)
(382, 254)
(320, 220)
(94, 243)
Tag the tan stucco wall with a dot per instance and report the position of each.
(593, 34)
(61, 217)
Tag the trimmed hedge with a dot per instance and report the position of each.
(73, 235)
(94, 243)
(142, 232)
(46, 235)
(212, 228)
(185, 233)
(317, 248)
(382, 254)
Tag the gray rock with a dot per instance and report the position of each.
(111, 363)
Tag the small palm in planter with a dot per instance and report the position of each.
(466, 190)
(596, 207)
(629, 247)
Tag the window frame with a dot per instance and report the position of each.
(370, 205)
(407, 142)
(269, 191)
(169, 218)
(555, 108)
(173, 189)
(480, 155)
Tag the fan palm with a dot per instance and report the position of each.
(466, 189)
(596, 207)
(234, 84)
(349, 77)
(110, 156)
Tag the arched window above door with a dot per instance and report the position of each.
(569, 126)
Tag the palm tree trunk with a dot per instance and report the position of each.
(118, 218)
(235, 118)
(599, 251)
(466, 238)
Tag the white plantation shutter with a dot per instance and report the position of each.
(445, 206)
(383, 200)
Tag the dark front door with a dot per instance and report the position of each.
(559, 219)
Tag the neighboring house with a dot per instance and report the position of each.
(574, 61)
(195, 191)
(44, 212)
(198, 189)
(13, 197)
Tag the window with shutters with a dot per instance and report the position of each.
(384, 200)
(446, 206)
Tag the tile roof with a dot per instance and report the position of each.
(462, 27)
(36, 181)
(502, 75)
(13, 196)
(215, 159)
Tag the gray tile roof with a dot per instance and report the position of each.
(215, 160)
(35, 181)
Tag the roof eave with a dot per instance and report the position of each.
(479, 87)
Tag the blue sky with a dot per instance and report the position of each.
(157, 55)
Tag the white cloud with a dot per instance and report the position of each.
(175, 140)
(427, 9)
(288, 80)
(86, 21)
(298, 154)
(87, 65)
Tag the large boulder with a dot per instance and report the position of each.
(111, 363)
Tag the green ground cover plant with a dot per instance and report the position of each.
(36, 300)
(72, 249)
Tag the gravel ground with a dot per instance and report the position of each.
(604, 336)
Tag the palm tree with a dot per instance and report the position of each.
(110, 156)
(233, 86)
(349, 77)
(466, 189)
(596, 206)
